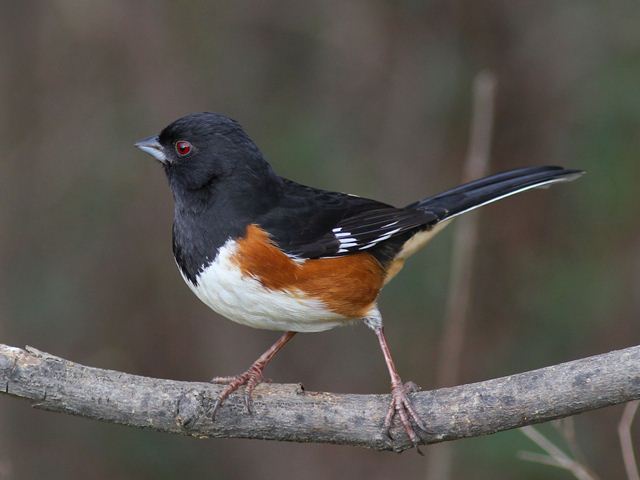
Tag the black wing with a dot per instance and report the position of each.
(369, 228)
(313, 223)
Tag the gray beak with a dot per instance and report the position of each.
(152, 146)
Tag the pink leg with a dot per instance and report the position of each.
(400, 403)
(252, 377)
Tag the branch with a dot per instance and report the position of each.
(287, 412)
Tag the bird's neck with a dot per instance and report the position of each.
(205, 219)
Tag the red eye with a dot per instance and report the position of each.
(183, 148)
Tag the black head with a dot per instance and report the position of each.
(202, 150)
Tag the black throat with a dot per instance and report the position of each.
(207, 217)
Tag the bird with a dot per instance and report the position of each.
(270, 253)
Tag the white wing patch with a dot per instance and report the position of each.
(368, 235)
(381, 238)
(345, 239)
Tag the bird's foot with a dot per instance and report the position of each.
(251, 378)
(402, 406)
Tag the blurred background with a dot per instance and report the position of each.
(370, 97)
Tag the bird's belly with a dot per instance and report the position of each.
(243, 299)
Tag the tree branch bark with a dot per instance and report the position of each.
(287, 412)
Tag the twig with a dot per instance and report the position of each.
(287, 412)
(556, 456)
(465, 238)
(626, 443)
(464, 242)
(566, 427)
(543, 460)
(5, 469)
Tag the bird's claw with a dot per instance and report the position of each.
(250, 379)
(402, 406)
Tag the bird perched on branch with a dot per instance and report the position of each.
(271, 253)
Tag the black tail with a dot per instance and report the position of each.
(489, 189)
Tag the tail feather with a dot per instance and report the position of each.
(486, 190)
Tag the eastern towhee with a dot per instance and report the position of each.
(270, 253)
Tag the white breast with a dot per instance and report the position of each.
(243, 299)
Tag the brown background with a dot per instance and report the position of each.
(370, 97)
